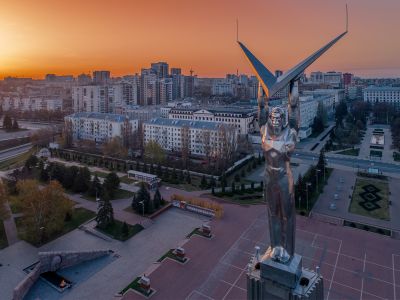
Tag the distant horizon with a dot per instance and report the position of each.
(72, 37)
(387, 73)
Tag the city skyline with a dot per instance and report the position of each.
(74, 37)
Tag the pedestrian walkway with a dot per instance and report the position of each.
(10, 227)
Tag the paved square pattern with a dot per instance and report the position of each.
(348, 274)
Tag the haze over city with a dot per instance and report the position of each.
(72, 37)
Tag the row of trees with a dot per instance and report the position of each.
(76, 179)
(310, 184)
(9, 123)
(142, 202)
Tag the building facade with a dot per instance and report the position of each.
(201, 138)
(99, 127)
(385, 94)
(240, 118)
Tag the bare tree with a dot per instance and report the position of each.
(227, 144)
(207, 145)
(185, 145)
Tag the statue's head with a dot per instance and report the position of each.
(276, 120)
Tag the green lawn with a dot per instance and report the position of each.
(381, 213)
(16, 162)
(119, 194)
(79, 216)
(3, 237)
(115, 230)
(352, 152)
(100, 174)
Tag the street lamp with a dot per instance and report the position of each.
(142, 203)
(307, 185)
(316, 176)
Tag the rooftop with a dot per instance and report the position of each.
(99, 116)
(382, 88)
(187, 123)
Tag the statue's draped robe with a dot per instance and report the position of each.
(279, 187)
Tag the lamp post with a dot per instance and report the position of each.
(307, 185)
(316, 176)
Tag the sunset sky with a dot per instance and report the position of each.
(71, 37)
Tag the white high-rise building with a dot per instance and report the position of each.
(165, 90)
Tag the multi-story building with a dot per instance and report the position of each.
(101, 77)
(223, 87)
(148, 87)
(240, 118)
(84, 79)
(161, 69)
(200, 138)
(165, 90)
(308, 111)
(333, 79)
(99, 127)
(97, 98)
(33, 103)
(386, 94)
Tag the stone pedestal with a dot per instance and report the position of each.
(269, 280)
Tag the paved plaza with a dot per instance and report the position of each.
(135, 255)
(354, 264)
(344, 191)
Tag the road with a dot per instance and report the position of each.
(351, 161)
(15, 151)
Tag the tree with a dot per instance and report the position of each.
(181, 177)
(322, 114)
(341, 112)
(212, 182)
(15, 125)
(4, 212)
(203, 183)
(95, 188)
(69, 177)
(188, 178)
(42, 137)
(317, 125)
(154, 153)
(31, 162)
(115, 148)
(233, 187)
(67, 134)
(157, 199)
(105, 213)
(7, 122)
(111, 183)
(321, 160)
(142, 198)
(82, 180)
(43, 209)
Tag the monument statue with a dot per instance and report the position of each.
(279, 127)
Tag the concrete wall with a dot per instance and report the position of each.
(53, 261)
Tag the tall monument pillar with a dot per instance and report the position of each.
(279, 273)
